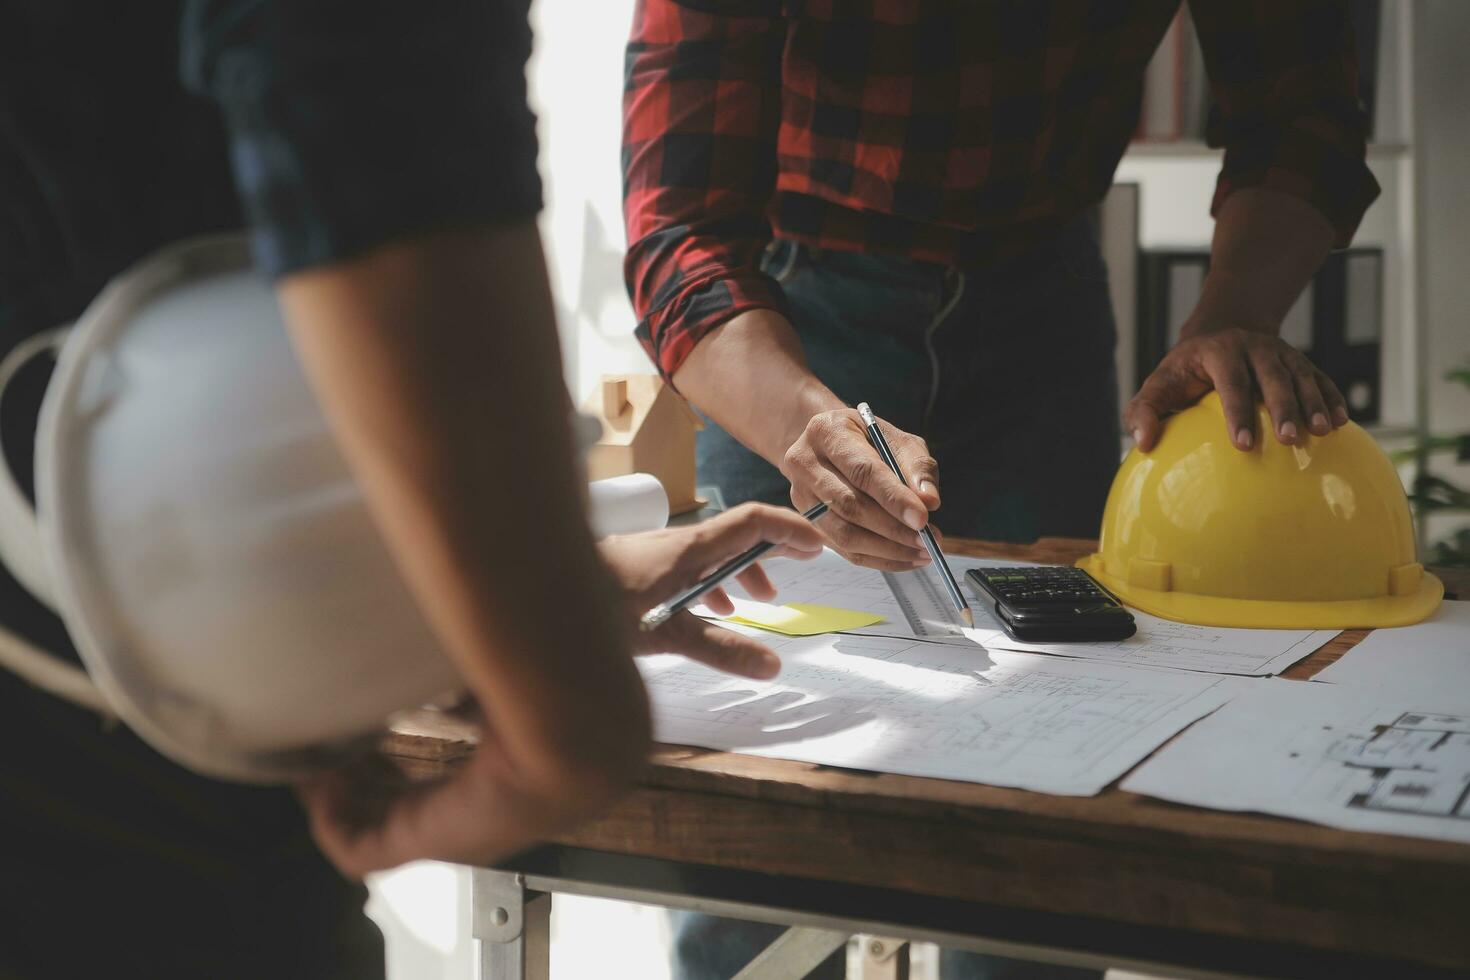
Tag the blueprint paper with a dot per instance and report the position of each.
(934, 709)
(1429, 658)
(1329, 754)
(832, 580)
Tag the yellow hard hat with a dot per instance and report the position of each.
(1312, 536)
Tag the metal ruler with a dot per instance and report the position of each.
(925, 604)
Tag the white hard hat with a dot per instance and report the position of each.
(207, 546)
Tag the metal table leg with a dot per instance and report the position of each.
(884, 958)
(795, 953)
(512, 925)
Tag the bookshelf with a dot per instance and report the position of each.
(1176, 178)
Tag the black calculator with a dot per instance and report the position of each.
(1052, 604)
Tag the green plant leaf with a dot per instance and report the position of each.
(1433, 493)
(1434, 444)
(1454, 551)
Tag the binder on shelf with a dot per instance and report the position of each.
(1296, 326)
(1347, 336)
(1118, 240)
(1337, 321)
(1170, 282)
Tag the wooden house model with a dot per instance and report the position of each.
(646, 428)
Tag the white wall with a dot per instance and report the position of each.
(1446, 144)
(576, 79)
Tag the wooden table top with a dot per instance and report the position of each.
(1116, 856)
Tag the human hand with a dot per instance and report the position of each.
(874, 519)
(1238, 363)
(657, 564)
(372, 814)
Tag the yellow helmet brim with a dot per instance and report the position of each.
(1204, 610)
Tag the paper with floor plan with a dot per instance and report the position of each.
(832, 580)
(1429, 658)
(934, 709)
(1329, 754)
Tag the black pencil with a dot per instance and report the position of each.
(875, 436)
(660, 613)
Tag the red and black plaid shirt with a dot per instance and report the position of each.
(949, 131)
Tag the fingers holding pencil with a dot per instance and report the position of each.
(655, 566)
(926, 533)
(781, 538)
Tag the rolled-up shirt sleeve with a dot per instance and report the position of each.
(1285, 80)
(353, 125)
(701, 108)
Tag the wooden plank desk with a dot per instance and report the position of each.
(1114, 878)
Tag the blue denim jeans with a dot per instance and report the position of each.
(1007, 371)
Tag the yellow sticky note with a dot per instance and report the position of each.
(800, 618)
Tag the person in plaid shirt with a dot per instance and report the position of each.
(828, 203)
(889, 202)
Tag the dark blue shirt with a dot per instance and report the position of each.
(328, 126)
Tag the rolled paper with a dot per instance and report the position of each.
(627, 504)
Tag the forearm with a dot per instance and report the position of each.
(1266, 248)
(436, 363)
(751, 376)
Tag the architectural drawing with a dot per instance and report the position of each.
(1419, 764)
(1327, 753)
(933, 709)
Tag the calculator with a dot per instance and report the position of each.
(1052, 603)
